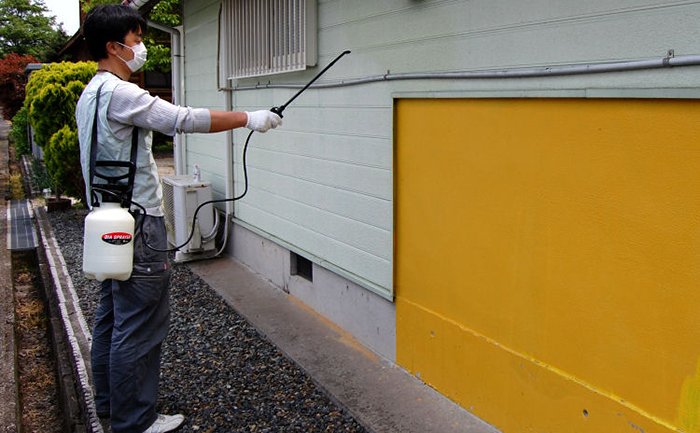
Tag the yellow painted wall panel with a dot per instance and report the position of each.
(512, 392)
(567, 230)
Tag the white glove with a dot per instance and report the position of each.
(262, 120)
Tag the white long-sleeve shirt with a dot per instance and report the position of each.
(124, 106)
(132, 105)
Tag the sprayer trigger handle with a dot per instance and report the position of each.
(277, 111)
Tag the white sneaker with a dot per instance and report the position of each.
(165, 423)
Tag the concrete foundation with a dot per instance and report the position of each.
(368, 317)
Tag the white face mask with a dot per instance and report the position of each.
(140, 55)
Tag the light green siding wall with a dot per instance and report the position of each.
(323, 182)
(200, 36)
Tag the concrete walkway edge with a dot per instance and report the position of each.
(59, 286)
(381, 396)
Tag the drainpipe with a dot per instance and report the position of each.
(178, 86)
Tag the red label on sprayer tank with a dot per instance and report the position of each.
(117, 238)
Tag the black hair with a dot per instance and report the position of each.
(110, 22)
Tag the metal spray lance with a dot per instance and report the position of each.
(109, 228)
(280, 109)
(277, 110)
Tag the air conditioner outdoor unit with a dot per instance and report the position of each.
(181, 197)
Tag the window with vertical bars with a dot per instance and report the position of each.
(264, 37)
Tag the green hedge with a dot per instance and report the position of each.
(62, 160)
(51, 95)
(18, 133)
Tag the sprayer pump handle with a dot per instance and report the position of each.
(278, 111)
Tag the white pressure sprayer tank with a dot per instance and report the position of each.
(108, 244)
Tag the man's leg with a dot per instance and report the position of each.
(141, 319)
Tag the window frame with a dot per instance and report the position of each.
(266, 37)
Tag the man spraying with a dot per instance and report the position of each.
(132, 317)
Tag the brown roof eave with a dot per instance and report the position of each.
(72, 41)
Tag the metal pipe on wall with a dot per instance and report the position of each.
(594, 68)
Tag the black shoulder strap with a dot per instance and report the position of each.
(93, 145)
(124, 191)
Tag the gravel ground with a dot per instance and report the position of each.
(216, 368)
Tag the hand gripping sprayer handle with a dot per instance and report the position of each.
(278, 110)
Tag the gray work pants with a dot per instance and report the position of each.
(130, 325)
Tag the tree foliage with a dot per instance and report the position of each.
(12, 82)
(52, 94)
(26, 29)
(167, 12)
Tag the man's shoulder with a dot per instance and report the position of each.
(101, 83)
(128, 87)
(127, 94)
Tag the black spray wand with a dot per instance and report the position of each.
(281, 108)
(276, 110)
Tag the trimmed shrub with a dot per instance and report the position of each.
(52, 109)
(62, 160)
(52, 94)
(18, 133)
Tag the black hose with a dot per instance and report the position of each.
(276, 110)
(194, 218)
